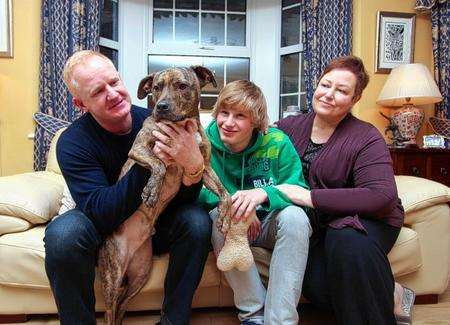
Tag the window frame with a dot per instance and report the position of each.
(286, 50)
(111, 44)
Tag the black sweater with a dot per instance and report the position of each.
(91, 159)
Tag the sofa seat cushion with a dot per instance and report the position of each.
(22, 263)
(405, 257)
(419, 193)
(22, 259)
(34, 197)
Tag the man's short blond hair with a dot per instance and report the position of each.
(75, 59)
(246, 96)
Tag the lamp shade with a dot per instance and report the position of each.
(409, 84)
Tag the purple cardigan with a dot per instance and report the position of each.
(352, 177)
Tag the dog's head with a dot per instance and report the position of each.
(175, 92)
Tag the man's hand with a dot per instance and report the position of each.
(245, 203)
(177, 144)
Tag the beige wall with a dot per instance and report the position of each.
(19, 82)
(364, 36)
(19, 76)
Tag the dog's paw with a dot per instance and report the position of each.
(149, 197)
(224, 209)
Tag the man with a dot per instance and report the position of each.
(91, 153)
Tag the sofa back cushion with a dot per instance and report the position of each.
(419, 193)
(52, 162)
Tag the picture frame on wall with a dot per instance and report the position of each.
(6, 38)
(394, 41)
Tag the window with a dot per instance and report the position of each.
(225, 70)
(109, 31)
(292, 87)
(199, 22)
(208, 33)
(236, 39)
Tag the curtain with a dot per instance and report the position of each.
(327, 33)
(440, 25)
(67, 26)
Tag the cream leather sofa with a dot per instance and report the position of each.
(420, 259)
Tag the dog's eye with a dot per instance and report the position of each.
(182, 86)
(155, 88)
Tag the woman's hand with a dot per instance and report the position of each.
(245, 203)
(177, 144)
(297, 194)
(254, 229)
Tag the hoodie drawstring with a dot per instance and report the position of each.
(242, 171)
(242, 168)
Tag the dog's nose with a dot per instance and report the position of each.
(162, 106)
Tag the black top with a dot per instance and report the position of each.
(312, 150)
(91, 159)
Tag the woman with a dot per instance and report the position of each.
(250, 160)
(356, 214)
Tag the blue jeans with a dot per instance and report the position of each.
(286, 233)
(71, 247)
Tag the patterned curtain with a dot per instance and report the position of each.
(327, 33)
(67, 26)
(440, 22)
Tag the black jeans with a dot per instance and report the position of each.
(72, 243)
(348, 272)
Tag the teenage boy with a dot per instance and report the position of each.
(250, 160)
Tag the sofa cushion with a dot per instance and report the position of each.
(34, 197)
(67, 202)
(52, 162)
(405, 257)
(10, 224)
(22, 259)
(418, 193)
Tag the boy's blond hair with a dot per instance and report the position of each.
(77, 58)
(246, 96)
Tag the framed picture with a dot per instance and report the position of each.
(6, 40)
(395, 40)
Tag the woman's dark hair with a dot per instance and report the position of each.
(354, 65)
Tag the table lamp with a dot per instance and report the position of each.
(406, 86)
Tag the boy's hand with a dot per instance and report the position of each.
(245, 203)
(254, 229)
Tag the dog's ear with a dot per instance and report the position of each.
(204, 75)
(145, 86)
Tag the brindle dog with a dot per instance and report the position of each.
(125, 259)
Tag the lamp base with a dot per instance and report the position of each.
(409, 120)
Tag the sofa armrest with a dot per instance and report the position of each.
(34, 197)
(427, 213)
(418, 194)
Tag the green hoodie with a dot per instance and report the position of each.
(269, 160)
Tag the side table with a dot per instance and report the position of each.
(433, 164)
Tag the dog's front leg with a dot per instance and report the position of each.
(212, 182)
(151, 191)
(142, 153)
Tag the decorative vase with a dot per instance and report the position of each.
(409, 119)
